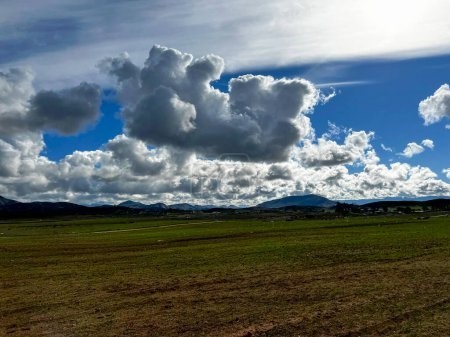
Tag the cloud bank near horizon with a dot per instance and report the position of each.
(177, 128)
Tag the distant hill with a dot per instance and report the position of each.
(310, 200)
(186, 207)
(14, 209)
(390, 199)
(161, 206)
(435, 203)
(133, 204)
(138, 205)
(6, 202)
(158, 206)
(190, 207)
(40, 208)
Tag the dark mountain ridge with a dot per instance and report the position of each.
(162, 206)
(15, 209)
(438, 203)
(6, 202)
(309, 200)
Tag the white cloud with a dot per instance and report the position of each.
(334, 131)
(412, 149)
(446, 172)
(428, 143)
(326, 152)
(385, 148)
(437, 106)
(342, 84)
(247, 33)
(325, 98)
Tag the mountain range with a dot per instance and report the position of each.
(310, 200)
(178, 207)
(12, 208)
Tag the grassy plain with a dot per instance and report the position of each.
(365, 276)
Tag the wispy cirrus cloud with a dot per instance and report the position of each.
(386, 148)
(61, 34)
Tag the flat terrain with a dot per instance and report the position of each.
(144, 277)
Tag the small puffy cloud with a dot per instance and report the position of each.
(325, 98)
(329, 153)
(135, 155)
(412, 149)
(334, 131)
(279, 171)
(428, 143)
(446, 172)
(170, 102)
(436, 107)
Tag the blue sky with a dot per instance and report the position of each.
(116, 100)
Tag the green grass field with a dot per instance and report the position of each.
(145, 277)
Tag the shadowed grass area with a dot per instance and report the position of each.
(146, 277)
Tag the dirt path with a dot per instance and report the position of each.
(156, 227)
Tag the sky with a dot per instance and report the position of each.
(234, 102)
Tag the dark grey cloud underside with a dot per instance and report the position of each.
(170, 101)
(66, 112)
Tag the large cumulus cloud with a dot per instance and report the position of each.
(171, 101)
(66, 112)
